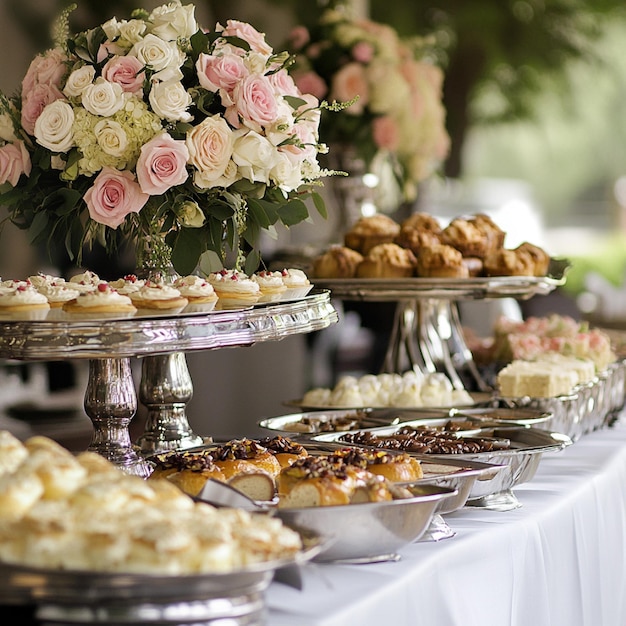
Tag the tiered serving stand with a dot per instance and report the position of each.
(161, 342)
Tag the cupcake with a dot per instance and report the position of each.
(101, 300)
(57, 293)
(541, 259)
(371, 231)
(271, 285)
(466, 237)
(494, 235)
(41, 279)
(199, 293)
(504, 262)
(23, 301)
(296, 282)
(387, 260)
(441, 261)
(158, 296)
(234, 288)
(337, 262)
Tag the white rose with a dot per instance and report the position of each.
(189, 214)
(255, 156)
(231, 175)
(157, 54)
(173, 20)
(282, 128)
(169, 74)
(170, 101)
(255, 62)
(111, 29)
(54, 127)
(285, 174)
(111, 137)
(210, 146)
(78, 80)
(103, 98)
(389, 91)
(132, 30)
(7, 130)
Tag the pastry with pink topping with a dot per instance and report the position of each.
(271, 284)
(234, 288)
(102, 300)
(158, 296)
(297, 283)
(23, 299)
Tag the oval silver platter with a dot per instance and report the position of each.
(520, 460)
(371, 531)
(84, 597)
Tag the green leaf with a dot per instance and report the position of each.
(38, 226)
(187, 250)
(253, 260)
(319, 203)
(199, 43)
(257, 212)
(239, 42)
(210, 261)
(295, 102)
(293, 212)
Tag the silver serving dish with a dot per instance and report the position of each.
(80, 597)
(371, 531)
(520, 460)
(502, 416)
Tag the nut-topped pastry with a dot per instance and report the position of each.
(541, 259)
(466, 237)
(441, 261)
(337, 262)
(370, 231)
(396, 467)
(494, 235)
(285, 450)
(505, 262)
(387, 260)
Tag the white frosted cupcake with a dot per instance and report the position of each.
(297, 283)
(101, 300)
(234, 289)
(58, 293)
(128, 284)
(198, 291)
(40, 280)
(9, 286)
(271, 284)
(85, 282)
(158, 296)
(24, 301)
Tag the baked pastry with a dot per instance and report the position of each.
(337, 262)
(422, 222)
(387, 260)
(271, 285)
(297, 283)
(187, 470)
(441, 261)
(396, 467)
(24, 300)
(127, 284)
(101, 300)
(85, 281)
(494, 235)
(234, 288)
(370, 231)
(158, 296)
(57, 293)
(197, 290)
(466, 237)
(505, 262)
(244, 456)
(285, 450)
(540, 257)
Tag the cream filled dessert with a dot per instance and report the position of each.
(127, 284)
(57, 293)
(23, 298)
(271, 284)
(197, 290)
(234, 288)
(158, 296)
(102, 299)
(40, 280)
(297, 283)
(86, 281)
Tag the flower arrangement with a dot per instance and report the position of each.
(396, 92)
(157, 129)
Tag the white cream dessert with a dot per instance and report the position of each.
(9, 286)
(297, 283)
(197, 290)
(40, 280)
(271, 285)
(158, 296)
(128, 284)
(22, 298)
(86, 281)
(102, 299)
(234, 288)
(57, 293)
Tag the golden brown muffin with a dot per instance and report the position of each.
(540, 257)
(415, 239)
(387, 260)
(494, 234)
(371, 231)
(505, 262)
(466, 237)
(422, 222)
(441, 261)
(337, 262)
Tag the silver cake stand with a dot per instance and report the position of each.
(161, 342)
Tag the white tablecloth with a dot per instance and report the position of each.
(559, 560)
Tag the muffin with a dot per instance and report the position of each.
(465, 236)
(493, 233)
(441, 261)
(540, 257)
(505, 262)
(337, 262)
(371, 231)
(387, 260)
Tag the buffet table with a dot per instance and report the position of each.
(559, 559)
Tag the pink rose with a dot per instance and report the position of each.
(243, 30)
(14, 161)
(113, 196)
(47, 68)
(220, 72)
(299, 37)
(162, 164)
(363, 52)
(35, 101)
(255, 101)
(283, 84)
(350, 81)
(386, 133)
(311, 82)
(126, 71)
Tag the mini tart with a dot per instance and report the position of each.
(197, 290)
(158, 296)
(505, 262)
(441, 261)
(271, 285)
(40, 280)
(466, 237)
(387, 260)
(297, 283)
(87, 281)
(234, 288)
(102, 299)
(128, 284)
(58, 294)
(370, 231)
(337, 262)
(23, 298)
(540, 257)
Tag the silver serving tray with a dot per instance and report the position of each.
(520, 461)
(371, 531)
(85, 597)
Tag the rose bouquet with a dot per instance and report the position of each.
(182, 140)
(397, 110)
